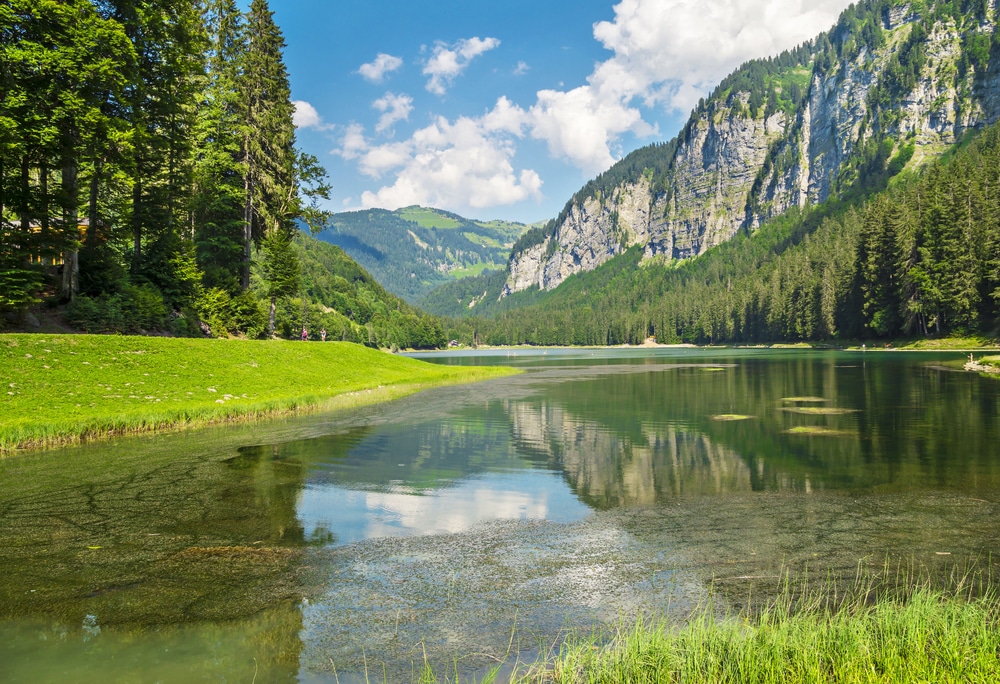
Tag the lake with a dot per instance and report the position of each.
(470, 525)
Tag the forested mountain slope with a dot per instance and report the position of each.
(413, 250)
(922, 257)
(339, 295)
(892, 85)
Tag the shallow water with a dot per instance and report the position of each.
(477, 524)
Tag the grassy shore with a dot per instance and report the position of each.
(873, 631)
(59, 389)
(929, 638)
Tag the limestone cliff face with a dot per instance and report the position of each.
(730, 171)
(593, 232)
(714, 171)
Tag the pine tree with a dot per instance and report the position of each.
(282, 272)
(169, 44)
(269, 134)
(879, 260)
(219, 199)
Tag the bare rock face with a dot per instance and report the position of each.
(732, 171)
(715, 171)
(592, 233)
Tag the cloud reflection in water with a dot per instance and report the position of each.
(355, 515)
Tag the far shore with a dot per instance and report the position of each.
(957, 344)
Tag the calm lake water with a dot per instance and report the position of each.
(472, 524)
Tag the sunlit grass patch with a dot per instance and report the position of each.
(730, 417)
(949, 343)
(428, 218)
(58, 389)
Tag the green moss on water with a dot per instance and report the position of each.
(818, 410)
(821, 431)
(729, 417)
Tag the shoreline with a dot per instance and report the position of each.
(63, 390)
(904, 345)
(298, 406)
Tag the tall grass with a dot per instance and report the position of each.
(58, 389)
(870, 633)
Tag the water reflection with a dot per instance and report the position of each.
(595, 485)
(612, 434)
(639, 466)
(352, 515)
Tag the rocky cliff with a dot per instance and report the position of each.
(892, 85)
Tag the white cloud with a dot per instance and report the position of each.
(665, 53)
(581, 125)
(670, 53)
(381, 159)
(675, 51)
(465, 164)
(505, 117)
(383, 64)
(521, 69)
(352, 143)
(394, 108)
(448, 61)
(306, 116)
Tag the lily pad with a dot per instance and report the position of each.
(804, 400)
(729, 417)
(713, 370)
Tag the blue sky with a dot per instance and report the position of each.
(504, 109)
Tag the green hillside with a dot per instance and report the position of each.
(413, 250)
(332, 292)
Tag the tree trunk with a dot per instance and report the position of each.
(95, 181)
(44, 233)
(270, 317)
(247, 234)
(24, 208)
(71, 237)
(136, 223)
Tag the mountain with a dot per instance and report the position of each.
(413, 250)
(920, 258)
(891, 86)
(847, 188)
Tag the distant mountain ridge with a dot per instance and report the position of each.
(411, 251)
(891, 85)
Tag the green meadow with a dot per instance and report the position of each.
(58, 389)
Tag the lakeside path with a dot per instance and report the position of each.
(62, 389)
